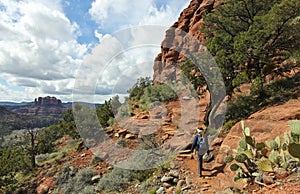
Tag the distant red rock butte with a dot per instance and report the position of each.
(46, 101)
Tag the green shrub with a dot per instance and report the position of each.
(64, 175)
(275, 92)
(116, 180)
(81, 183)
(121, 142)
(190, 74)
(154, 95)
(152, 191)
(137, 90)
(13, 159)
(228, 125)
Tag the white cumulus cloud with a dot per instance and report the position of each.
(38, 45)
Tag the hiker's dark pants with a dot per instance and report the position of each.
(200, 162)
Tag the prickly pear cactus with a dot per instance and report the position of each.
(295, 127)
(294, 150)
(234, 167)
(275, 157)
(257, 157)
(229, 159)
(265, 165)
(241, 158)
(294, 145)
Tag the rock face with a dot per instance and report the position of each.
(47, 101)
(42, 106)
(177, 38)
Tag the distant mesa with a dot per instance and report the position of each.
(42, 106)
(47, 101)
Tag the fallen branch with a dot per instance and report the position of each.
(262, 184)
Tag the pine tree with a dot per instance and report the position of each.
(251, 39)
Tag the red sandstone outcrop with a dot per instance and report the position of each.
(177, 40)
(42, 106)
(47, 101)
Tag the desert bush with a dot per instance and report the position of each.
(81, 183)
(137, 89)
(275, 92)
(156, 94)
(13, 159)
(42, 157)
(121, 142)
(64, 175)
(116, 180)
(191, 75)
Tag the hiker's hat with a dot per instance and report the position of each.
(199, 130)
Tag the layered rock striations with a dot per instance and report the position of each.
(42, 106)
(47, 101)
(182, 37)
(178, 40)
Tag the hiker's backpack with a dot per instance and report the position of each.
(201, 145)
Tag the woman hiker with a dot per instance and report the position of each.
(200, 143)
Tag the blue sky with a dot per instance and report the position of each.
(46, 44)
(77, 11)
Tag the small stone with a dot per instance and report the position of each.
(161, 190)
(172, 165)
(206, 185)
(137, 186)
(72, 170)
(179, 134)
(188, 180)
(174, 173)
(166, 179)
(102, 155)
(280, 173)
(204, 189)
(180, 184)
(166, 185)
(267, 179)
(186, 98)
(175, 180)
(170, 190)
(186, 188)
(96, 178)
(83, 155)
(144, 117)
(110, 168)
(122, 131)
(129, 136)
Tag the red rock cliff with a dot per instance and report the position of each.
(189, 22)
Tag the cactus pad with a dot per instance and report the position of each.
(234, 167)
(295, 127)
(241, 158)
(265, 165)
(228, 159)
(294, 150)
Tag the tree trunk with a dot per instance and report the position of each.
(32, 150)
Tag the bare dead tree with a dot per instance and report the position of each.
(30, 146)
